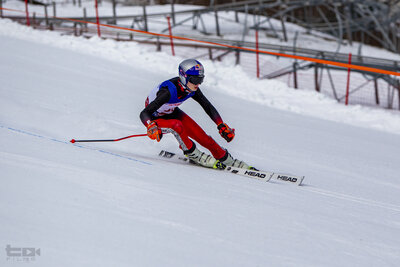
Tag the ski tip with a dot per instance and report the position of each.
(72, 141)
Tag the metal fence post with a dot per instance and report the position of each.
(216, 21)
(173, 11)
(114, 8)
(348, 20)
(237, 57)
(34, 20)
(158, 44)
(393, 30)
(317, 88)
(236, 13)
(376, 91)
(54, 9)
(85, 19)
(146, 28)
(284, 29)
(45, 15)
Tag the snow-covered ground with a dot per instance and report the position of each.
(117, 204)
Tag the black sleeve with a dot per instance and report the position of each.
(207, 106)
(163, 96)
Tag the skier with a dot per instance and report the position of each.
(161, 115)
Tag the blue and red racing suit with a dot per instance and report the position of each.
(162, 107)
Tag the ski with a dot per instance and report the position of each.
(256, 174)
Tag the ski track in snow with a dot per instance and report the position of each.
(19, 158)
(345, 197)
(10, 158)
(75, 145)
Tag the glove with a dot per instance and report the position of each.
(227, 133)
(153, 132)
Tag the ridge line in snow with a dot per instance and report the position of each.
(75, 145)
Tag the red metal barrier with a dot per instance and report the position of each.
(28, 23)
(97, 18)
(257, 56)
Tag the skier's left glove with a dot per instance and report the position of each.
(227, 133)
(153, 132)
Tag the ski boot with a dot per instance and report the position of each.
(228, 160)
(203, 159)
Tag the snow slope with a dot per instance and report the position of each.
(117, 204)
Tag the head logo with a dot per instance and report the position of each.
(287, 178)
(255, 174)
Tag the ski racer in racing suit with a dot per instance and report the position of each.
(162, 115)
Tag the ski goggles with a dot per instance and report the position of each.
(195, 79)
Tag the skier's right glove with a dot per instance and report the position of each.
(227, 133)
(153, 132)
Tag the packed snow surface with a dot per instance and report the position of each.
(118, 204)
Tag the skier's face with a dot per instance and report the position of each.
(193, 87)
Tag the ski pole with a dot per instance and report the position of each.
(108, 140)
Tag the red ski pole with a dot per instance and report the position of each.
(108, 140)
